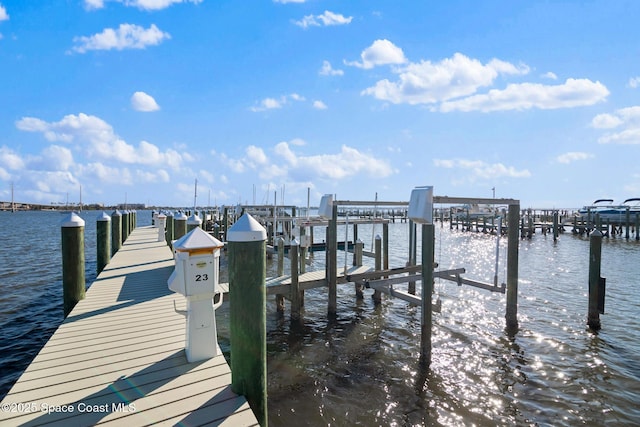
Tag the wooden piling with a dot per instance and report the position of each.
(512, 268)
(595, 258)
(125, 226)
(428, 242)
(73, 279)
(295, 296)
(247, 297)
(413, 251)
(627, 222)
(280, 272)
(180, 225)
(357, 261)
(116, 231)
(555, 226)
(169, 229)
(377, 295)
(332, 261)
(103, 241)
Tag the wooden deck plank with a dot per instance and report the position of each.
(124, 343)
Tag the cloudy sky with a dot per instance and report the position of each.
(139, 98)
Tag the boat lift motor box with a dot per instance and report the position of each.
(161, 221)
(197, 258)
(421, 205)
(325, 210)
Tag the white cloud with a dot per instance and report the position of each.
(97, 171)
(381, 52)
(573, 156)
(9, 159)
(140, 4)
(326, 19)
(606, 121)
(634, 82)
(153, 176)
(98, 140)
(4, 16)
(141, 101)
(327, 70)
(127, 36)
(290, 167)
(452, 84)
(480, 169)
(319, 105)
(276, 103)
(269, 104)
(426, 82)
(628, 119)
(256, 155)
(56, 158)
(348, 162)
(524, 96)
(93, 4)
(550, 75)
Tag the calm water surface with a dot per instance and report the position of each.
(362, 367)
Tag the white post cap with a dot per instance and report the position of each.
(73, 220)
(181, 217)
(196, 240)
(194, 219)
(103, 217)
(246, 229)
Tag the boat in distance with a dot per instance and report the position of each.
(608, 211)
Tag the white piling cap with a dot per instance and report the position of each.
(116, 213)
(73, 220)
(246, 229)
(294, 242)
(194, 219)
(103, 217)
(197, 240)
(181, 217)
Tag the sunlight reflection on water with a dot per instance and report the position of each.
(362, 368)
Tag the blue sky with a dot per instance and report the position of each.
(139, 98)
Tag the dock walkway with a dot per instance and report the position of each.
(118, 358)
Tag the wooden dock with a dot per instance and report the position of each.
(118, 358)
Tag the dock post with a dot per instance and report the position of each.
(377, 295)
(385, 246)
(103, 241)
(169, 231)
(627, 223)
(248, 316)
(413, 251)
(73, 280)
(428, 242)
(116, 232)
(595, 258)
(637, 226)
(555, 226)
(180, 225)
(357, 261)
(303, 251)
(295, 296)
(512, 269)
(332, 261)
(280, 272)
(125, 225)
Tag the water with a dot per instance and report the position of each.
(362, 368)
